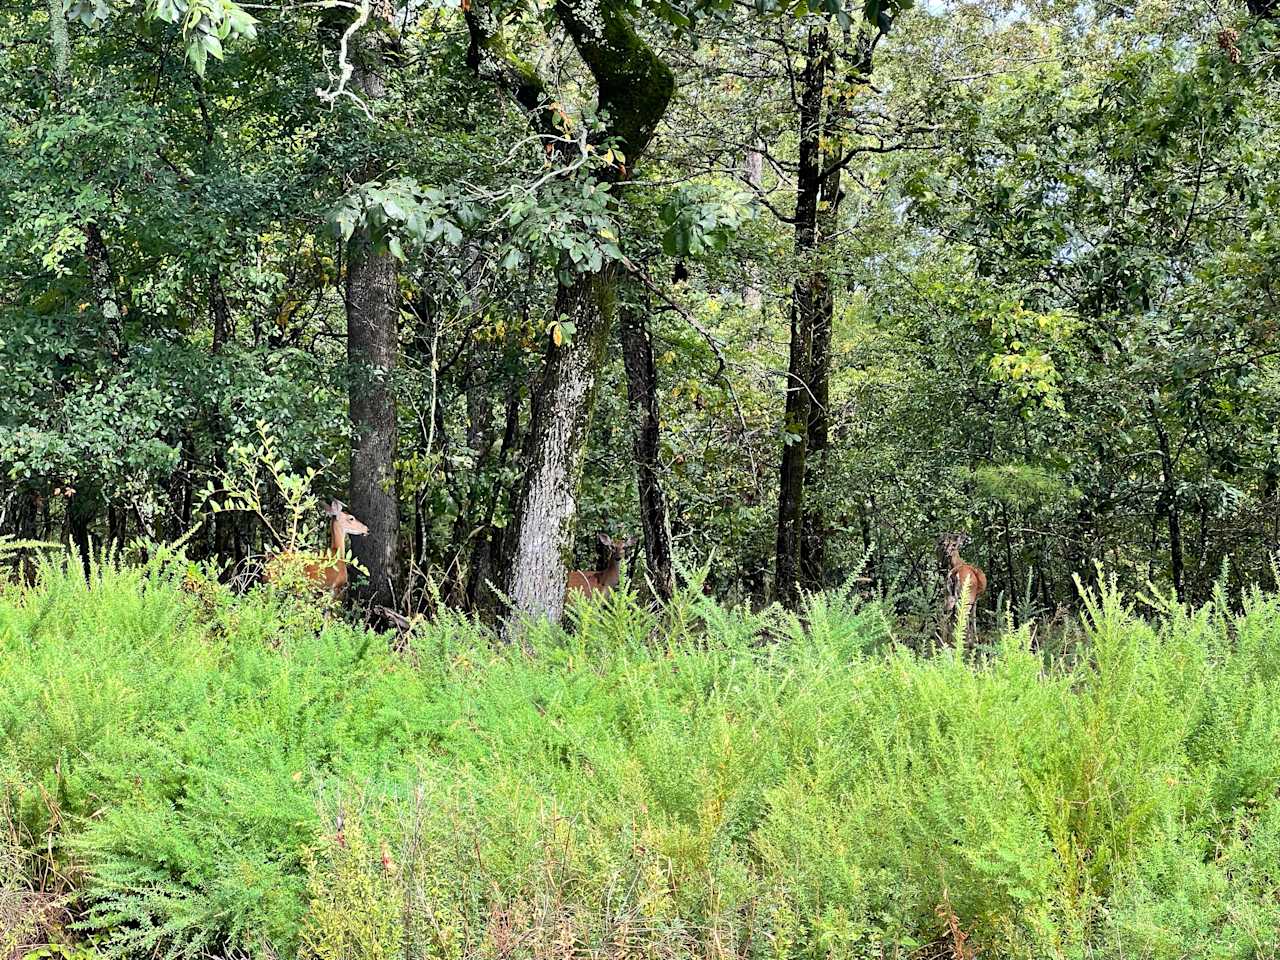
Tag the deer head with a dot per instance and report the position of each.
(617, 548)
(344, 521)
(950, 544)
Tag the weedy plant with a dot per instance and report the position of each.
(214, 775)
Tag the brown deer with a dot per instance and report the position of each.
(964, 581)
(588, 582)
(329, 574)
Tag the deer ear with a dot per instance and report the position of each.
(629, 543)
(604, 539)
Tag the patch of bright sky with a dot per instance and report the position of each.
(1013, 11)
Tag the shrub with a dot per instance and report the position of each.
(240, 775)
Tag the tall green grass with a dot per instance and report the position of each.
(202, 774)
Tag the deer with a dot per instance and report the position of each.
(329, 574)
(589, 582)
(964, 581)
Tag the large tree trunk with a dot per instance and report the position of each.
(642, 398)
(373, 355)
(806, 304)
(553, 452)
(633, 88)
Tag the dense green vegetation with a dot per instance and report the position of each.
(779, 282)
(198, 773)
(895, 322)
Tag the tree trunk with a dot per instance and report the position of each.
(753, 170)
(642, 397)
(1169, 505)
(103, 286)
(224, 522)
(837, 103)
(59, 36)
(82, 511)
(633, 88)
(373, 353)
(488, 551)
(813, 521)
(553, 452)
(805, 306)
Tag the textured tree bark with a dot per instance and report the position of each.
(806, 303)
(103, 286)
(58, 35)
(373, 355)
(813, 519)
(642, 398)
(554, 447)
(633, 87)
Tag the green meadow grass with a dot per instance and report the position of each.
(197, 774)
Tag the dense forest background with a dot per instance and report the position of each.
(785, 289)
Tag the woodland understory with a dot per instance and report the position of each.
(787, 289)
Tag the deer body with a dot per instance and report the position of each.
(965, 581)
(330, 573)
(589, 582)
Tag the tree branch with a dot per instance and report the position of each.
(633, 85)
(489, 56)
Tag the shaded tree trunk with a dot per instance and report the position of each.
(553, 452)
(480, 442)
(642, 398)
(102, 283)
(82, 511)
(836, 106)
(806, 302)
(373, 354)
(489, 548)
(813, 520)
(1169, 504)
(225, 541)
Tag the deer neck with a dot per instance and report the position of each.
(956, 561)
(608, 576)
(337, 540)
